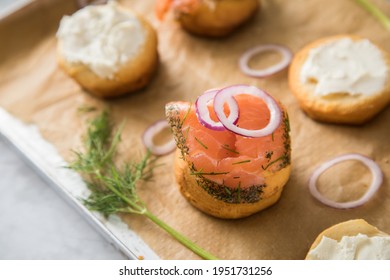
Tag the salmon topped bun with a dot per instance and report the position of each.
(233, 153)
(214, 18)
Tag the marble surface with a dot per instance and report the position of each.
(36, 223)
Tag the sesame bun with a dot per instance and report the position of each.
(209, 204)
(348, 228)
(214, 18)
(341, 107)
(132, 75)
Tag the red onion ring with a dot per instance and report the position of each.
(150, 132)
(263, 73)
(203, 113)
(377, 178)
(229, 92)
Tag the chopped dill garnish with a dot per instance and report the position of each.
(236, 177)
(187, 132)
(226, 147)
(186, 115)
(268, 154)
(207, 173)
(239, 192)
(272, 135)
(228, 191)
(272, 162)
(243, 161)
(287, 123)
(200, 142)
(113, 188)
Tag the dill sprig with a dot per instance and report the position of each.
(241, 162)
(226, 147)
(375, 12)
(113, 188)
(283, 157)
(201, 143)
(200, 172)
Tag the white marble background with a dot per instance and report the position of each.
(35, 222)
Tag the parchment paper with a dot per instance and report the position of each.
(34, 89)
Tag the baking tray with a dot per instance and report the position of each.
(200, 64)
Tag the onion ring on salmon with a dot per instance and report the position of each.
(227, 93)
(377, 178)
(151, 132)
(202, 110)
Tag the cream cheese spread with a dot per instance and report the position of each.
(345, 66)
(103, 37)
(358, 247)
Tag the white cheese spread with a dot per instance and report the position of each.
(345, 66)
(359, 247)
(103, 37)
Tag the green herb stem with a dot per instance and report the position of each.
(375, 12)
(181, 238)
(113, 189)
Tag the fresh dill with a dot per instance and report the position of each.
(239, 192)
(241, 162)
(114, 189)
(207, 173)
(226, 147)
(186, 115)
(268, 154)
(187, 132)
(201, 143)
(272, 162)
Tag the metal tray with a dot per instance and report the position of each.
(43, 157)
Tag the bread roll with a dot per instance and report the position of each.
(353, 228)
(214, 18)
(356, 92)
(108, 49)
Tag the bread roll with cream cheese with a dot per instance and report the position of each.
(341, 79)
(108, 49)
(353, 239)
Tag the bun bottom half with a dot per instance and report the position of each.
(213, 206)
